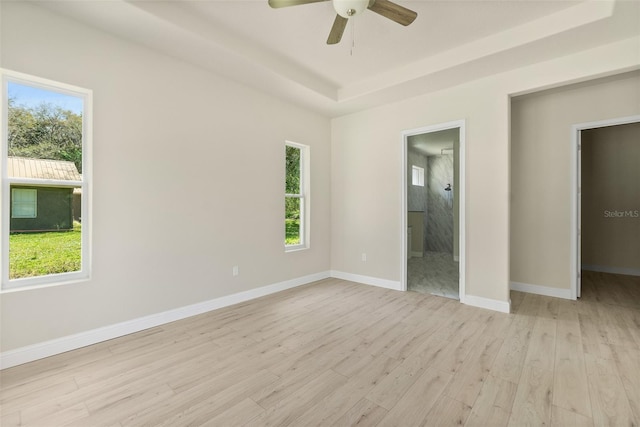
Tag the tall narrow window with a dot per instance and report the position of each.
(296, 200)
(417, 176)
(45, 181)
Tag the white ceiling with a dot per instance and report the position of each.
(284, 51)
(433, 143)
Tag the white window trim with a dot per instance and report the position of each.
(305, 167)
(417, 176)
(84, 274)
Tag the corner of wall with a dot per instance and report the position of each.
(488, 303)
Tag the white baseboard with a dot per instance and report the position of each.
(60, 345)
(488, 303)
(541, 290)
(367, 280)
(613, 270)
(416, 254)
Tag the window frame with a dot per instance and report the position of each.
(85, 184)
(419, 172)
(303, 196)
(13, 202)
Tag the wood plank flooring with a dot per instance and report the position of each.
(336, 353)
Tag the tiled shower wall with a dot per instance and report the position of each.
(416, 195)
(439, 232)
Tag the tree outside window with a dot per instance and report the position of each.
(296, 197)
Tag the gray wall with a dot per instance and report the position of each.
(611, 198)
(54, 211)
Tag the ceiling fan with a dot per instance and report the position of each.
(348, 8)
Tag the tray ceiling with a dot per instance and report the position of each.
(283, 51)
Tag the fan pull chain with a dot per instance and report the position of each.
(353, 35)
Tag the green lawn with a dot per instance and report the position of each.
(39, 254)
(292, 230)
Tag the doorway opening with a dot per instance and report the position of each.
(433, 210)
(606, 203)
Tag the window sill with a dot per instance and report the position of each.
(10, 288)
(296, 248)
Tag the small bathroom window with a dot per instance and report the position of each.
(417, 176)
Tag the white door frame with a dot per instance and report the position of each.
(461, 126)
(576, 179)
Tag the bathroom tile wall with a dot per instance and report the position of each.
(439, 232)
(416, 195)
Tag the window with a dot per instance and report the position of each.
(24, 203)
(45, 169)
(417, 176)
(296, 199)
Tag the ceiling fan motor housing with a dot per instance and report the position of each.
(346, 9)
(349, 8)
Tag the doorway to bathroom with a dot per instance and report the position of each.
(433, 208)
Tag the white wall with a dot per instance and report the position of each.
(366, 221)
(169, 135)
(541, 196)
(367, 153)
(188, 181)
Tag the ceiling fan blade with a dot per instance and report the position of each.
(286, 3)
(337, 30)
(393, 11)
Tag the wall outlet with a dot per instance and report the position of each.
(364, 256)
(236, 271)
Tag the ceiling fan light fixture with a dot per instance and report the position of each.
(346, 9)
(349, 8)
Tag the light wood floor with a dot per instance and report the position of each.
(339, 353)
